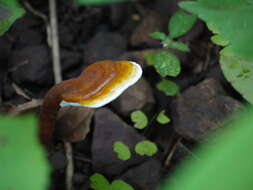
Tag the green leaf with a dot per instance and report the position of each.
(10, 11)
(239, 73)
(99, 182)
(230, 20)
(146, 147)
(168, 87)
(228, 156)
(120, 185)
(122, 150)
(158, 35)
(149, 57)
(179, 46)
(139, 119)
(180, 23)
(162, 118)
(217, 39)
(23, 161)
(97, 2)
(166, 64)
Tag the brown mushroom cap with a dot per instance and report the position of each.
(102, 82)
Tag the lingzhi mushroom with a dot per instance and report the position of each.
(99, 84)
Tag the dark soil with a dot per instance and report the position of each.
(118, 31)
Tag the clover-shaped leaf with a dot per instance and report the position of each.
(162, 118)
(146, 147)
(99, 182)
(122, 150)
(140, 119)
(169, 88)
(120, 185)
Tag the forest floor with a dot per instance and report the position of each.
(116, 32)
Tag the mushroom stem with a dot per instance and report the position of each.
(49, 111)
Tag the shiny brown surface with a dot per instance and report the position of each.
(99, 80)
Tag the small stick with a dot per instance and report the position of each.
(39, 14)
(58, 78)
(55, 41)
(70, 165)
(26, 106)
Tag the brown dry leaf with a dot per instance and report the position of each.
(73, 123)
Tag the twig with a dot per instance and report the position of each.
(39, 14)
(171, 153)
(70, 165)
(58, 78)
(20, 91)
(55, 41)
(26, 106)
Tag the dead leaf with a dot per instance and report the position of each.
(73, 123)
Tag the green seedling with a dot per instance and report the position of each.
(169, 88)
(166, 63)
(139, 119)
(179, 24)
(162, 118)
(99, 182)
(122, 150)
(146, 147)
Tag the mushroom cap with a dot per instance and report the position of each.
(101, 82)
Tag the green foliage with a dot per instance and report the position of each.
(231, 21)
(97, 2)
(22, 159)
(99, 182)
(169, 88)
(120, 185)
(145, 147)
(158, 35)
(122, 150)
(139, 119)
(10, 10)
(217, 39)
(224, 163)
(240, 73)
(149, 58)
(166, 64)
(180, 23)
(180, 46)
(162, 118)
